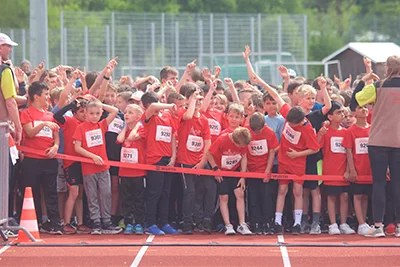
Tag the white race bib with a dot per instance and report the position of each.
(194, 143)
(164, 134)
(129, 155)
(258, 147)
(336, 145)
(116, 126)
(228, 162)
(362, 145)
(14, 154)
(94, 138)
(291, 135)
(45, 132)
(215, 127)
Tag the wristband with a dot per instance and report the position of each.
(215, 168)
(106, 78)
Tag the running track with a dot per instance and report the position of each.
(132, 251)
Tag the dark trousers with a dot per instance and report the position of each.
(132, 196)
(262, 200)
(158, 186)
(380, 159)
(37, 173)
(13, 182)
(199, 193)
(389, 207)
(175, 198)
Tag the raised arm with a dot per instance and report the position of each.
(327, 100)
(275, 95)
(246, 57)
(156, 107)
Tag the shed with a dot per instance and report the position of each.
(350, 58)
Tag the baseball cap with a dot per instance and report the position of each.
(4, 39)
(137, 96)
(292, 73)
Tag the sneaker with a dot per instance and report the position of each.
(121, 224)
(128, 229)
(288, 226)
(96, 230)
(187, 229)
(229, 230)
(397, 234)
(376, 232)
(139, 229)
(315, 229)
(220, 228)
(278, 229)
(11, 233)
(390, 229)
(345, 229)
(83, 229)
(48, 228)
(111, 230)
(68, 229)
(334, 229)
(154, 230)
(199, 228)
(257, 229)
(268, 229)
(169, 230)
(174, 224)
(363, 229)
(244, 229)
(207, 226)
(324, 228)
(296, 229)
(305, 228)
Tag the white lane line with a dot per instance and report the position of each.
(142, 251)
(4, 248)
(284, 252)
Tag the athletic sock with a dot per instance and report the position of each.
(316, 217)
(278, 218)
(297, 216)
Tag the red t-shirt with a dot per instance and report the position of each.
(159, 130)
(369, 118)
(69, 127)
(259, 149)
(357, 140)
(92, 136)
(226, 154)
(298, 138)
(191, 137)
(215, 119)
(133, 152)
(43, 139)
(334, 153)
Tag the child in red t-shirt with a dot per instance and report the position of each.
(194, 138)
(356, 144)
(89, 139)
(161, 151)
(260, 158)
(335, 163)
(228, 153)
(41, 133)
(132, 138)
(72, 170)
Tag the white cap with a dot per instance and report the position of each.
(137, 96)
(292, 73)
(4, 39)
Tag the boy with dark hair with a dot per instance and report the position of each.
(41, 133)
(169, 74)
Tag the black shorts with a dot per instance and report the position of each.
(335, 190)
(114, 171)
(311, 168)
(73, 174)
(361, 189)
(228, 185)
(310, 185)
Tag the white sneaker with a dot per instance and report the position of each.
(229, 230)
(363, 229)
(244, 229)
(334, 229)
(346, 229)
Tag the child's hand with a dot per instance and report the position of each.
(324, 128)
(370, 76)
(367, 64)
(191, 66)
(20, 74)
(241, 184)
(283, 72)
(98, 160)
(199, 165)
(347, 83)
(217, 71)
(207, 75)
(352, 175)
(171, 162)
(336, 80)
(292, 153)
(246, 53)
(53, 126)
(228, 81)
(322, 82)
(51, 152)
(255, 79)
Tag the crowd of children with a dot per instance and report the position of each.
(195, 122)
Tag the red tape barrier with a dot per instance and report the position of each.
(197, 171)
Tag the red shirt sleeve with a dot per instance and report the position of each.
(347, 140)
(311, 138)
(25, 117)
(214, 149)
(78, 135)
(206, 127)
(285, 110)
(272, 140)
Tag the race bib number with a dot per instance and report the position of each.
(94, 138)
(116, 126)
(215, 127)
(194, 143)
(336, 145)
(45, 132)
(258, 147)
(228, 162)
(362, 145)
(164, 134)
(291, 135)
(129, 155)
